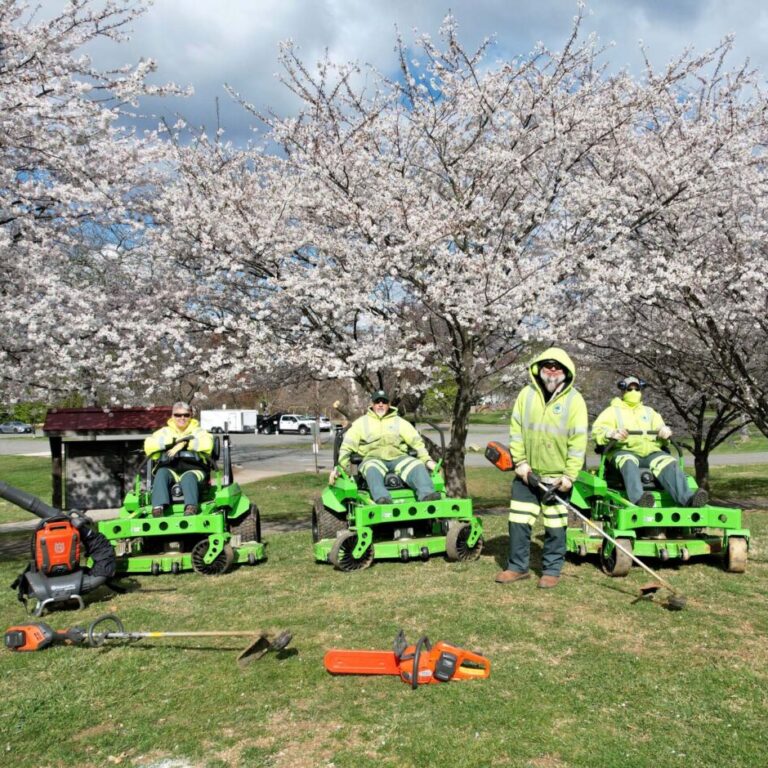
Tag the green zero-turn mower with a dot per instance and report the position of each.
(664, 531)
(225, 532)
(350, 530)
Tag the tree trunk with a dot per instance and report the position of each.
(455, 452)
(701, 463)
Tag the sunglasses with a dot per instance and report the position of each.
(553, 365)
(181, 415)
(377, 402)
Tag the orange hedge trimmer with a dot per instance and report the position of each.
(436, 663)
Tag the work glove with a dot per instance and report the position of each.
(333, 477)
(564, 484)
(665, 433)
(522, 470)
(617, 434)
(430, 465)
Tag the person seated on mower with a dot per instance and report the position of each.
(179, 460)
(383, 438)
(627, 415)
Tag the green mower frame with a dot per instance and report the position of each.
(350, 530)
(225, 532)
(665, 531)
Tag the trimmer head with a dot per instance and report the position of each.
(263, 644)
(675, 601)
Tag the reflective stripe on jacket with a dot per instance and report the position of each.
(633, 418)
(386, 437)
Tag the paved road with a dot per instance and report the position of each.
(257, 456)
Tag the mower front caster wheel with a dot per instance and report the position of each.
(220, 565)
(736, 555)
(341, 553)
(617, 563)
(456, 548)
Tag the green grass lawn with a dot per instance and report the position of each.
(29, 473)
(753, 441)
(581, 676)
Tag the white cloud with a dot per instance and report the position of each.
(206, 45)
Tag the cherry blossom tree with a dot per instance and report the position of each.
(685, 296)
(72, 184)
(428, 222)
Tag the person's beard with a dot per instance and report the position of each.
(552, 382)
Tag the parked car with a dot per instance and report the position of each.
(267, 425)
(292, 423)
(16, 428)
(325, 422)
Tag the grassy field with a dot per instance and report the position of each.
(581, 676)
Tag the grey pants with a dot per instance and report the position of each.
(412, 471)
(671, 478)
(165, 479)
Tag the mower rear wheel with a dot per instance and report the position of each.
(341, 553)
(325, 524)
(248, 527)
(617, 563)
(736, 555)
(219, 566)
(456, 548)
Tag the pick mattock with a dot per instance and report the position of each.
(37, 636)
(676, 600)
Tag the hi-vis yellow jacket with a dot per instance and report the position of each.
(633, 418)
(159, 441)
(387, 437)
(550, 436)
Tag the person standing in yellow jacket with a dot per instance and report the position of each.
(182, 450)
(621, 421)
(383, 438)
(547, 436)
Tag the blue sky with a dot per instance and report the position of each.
(206, 44)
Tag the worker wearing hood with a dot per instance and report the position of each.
(547, 436)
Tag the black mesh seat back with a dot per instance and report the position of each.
(394, 482)
(615, 480)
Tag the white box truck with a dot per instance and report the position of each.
(233, 419)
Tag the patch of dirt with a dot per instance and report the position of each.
(303, 743)
(548, 761)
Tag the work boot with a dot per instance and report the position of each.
(699, 499)
(384, 500)
(157, 511)
(434, 496)
(548, 582)
(507, 577)
(189, 510)
(646, 500)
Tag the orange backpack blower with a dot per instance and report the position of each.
(55, 574)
